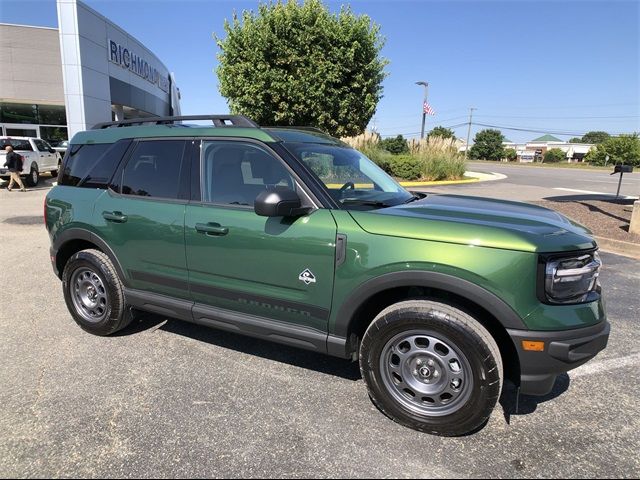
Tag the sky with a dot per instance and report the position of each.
(563, 67)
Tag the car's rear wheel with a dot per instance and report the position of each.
(94, 293)
(34, 176)
(431, 367)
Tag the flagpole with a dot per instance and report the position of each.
(424, 112)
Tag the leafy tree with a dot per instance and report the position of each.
(441, 132)
(487, 145)
(575, 140)
(554, 155)
(623, 149)
(396, 145)
(299, 64)
(510, 154)
(595, 137)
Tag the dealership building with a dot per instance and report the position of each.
(56, 82)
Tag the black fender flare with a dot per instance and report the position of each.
(76, 233)
(507, 317)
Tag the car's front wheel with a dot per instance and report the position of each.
(431, 367)
(94, 293)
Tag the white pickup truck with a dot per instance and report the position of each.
(38, 157)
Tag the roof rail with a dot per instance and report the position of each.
(217, 120)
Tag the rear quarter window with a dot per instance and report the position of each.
(92, 166)
(23, 145)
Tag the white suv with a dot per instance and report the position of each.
(37, 157)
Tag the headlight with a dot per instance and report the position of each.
(572, 279)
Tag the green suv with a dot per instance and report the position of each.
(289, 235)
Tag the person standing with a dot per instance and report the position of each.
(14, 164)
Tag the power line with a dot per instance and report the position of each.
(560, 118)
(537, 130)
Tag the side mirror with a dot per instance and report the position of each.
(279, 202)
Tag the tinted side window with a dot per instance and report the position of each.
(235, 173)
(41, 146)
(16, 144)
(154, 169)
(78, 162)
(102, 171)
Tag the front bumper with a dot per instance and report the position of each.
(563, 351)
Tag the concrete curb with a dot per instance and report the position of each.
(477, 177)
(619, 247)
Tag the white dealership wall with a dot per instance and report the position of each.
(96, 77)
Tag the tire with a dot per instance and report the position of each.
(94, 293)
(34, 176)
(431, 367)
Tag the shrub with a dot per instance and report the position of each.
(364, 140)
(406, 167)
(443, 166)
(554, 155)
(380, 157)
(439, 158)
(510, 154)
(397, 146)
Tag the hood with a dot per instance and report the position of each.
(480, 222)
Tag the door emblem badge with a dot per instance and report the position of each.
(307, 277)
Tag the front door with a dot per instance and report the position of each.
(142, 218)
(47, 159)
(276, 268)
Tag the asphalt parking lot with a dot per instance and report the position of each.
(170, 399)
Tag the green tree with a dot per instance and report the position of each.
(554, 155)
(396, 145)
(595, 137)
(299, 64)
(623, 149)
(487, 145)
(575, 140)
(441, 132)
(510, 154)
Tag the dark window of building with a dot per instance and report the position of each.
(235, 173)
(18, 113)
(79, 160)
(154, 169)
(52, 115)
(53, 134)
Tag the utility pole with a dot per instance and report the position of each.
(466, 150)
(424, 113)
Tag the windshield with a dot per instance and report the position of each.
(350, 177)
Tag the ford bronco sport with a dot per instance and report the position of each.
(289, 235)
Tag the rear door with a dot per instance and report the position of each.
(141, 217)
(277, 268)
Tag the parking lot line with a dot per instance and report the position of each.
(606, 365)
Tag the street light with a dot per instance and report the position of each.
(424, 113)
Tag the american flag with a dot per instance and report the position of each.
(426, 108)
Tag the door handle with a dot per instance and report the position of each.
(117, 217)
(211, 229)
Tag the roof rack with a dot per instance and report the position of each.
(217, 120)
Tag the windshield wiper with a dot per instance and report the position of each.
(413, 198)
(372, 203)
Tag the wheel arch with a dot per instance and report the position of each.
(74, 240)
(359, 310)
